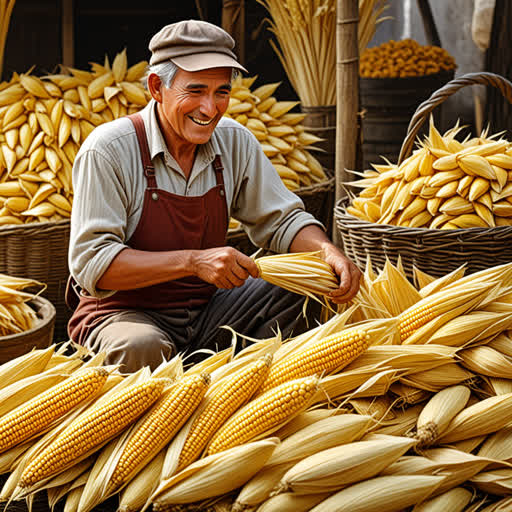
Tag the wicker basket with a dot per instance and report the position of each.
(434, 251)
(40, 251)
(40, 336)
(318, 200)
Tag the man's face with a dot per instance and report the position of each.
(195, 102)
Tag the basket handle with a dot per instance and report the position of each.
(424, 109)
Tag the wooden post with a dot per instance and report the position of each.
(347, 94)
(429, 24)
(233, 22)
(68, 36)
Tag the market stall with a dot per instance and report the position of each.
(401, 400)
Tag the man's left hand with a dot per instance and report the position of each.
(348, 274)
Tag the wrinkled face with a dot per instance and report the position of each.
(195, 102)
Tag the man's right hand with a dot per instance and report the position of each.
(224, 267)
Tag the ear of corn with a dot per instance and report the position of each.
(381, 493)
(39, 412)
(158, 427)
(438, 413)
(215, 475)
(331, 469)
(325, 356)
(225, 400)
(264, 414)
(91, 429)
(484, 417)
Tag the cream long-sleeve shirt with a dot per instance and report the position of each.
(109, 185)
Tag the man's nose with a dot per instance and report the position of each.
(208, 106)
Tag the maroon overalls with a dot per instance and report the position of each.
(168, 222)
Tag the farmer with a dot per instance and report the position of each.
(153, 194)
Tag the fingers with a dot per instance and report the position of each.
(349, 284)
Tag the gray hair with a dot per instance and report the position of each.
(166, 71)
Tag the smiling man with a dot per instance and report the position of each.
(153, 193)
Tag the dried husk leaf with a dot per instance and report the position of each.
(328, 470)
(484, 417)
(138, 491)
(215, 475)
(381, 494)
(454, 500)
(438, 378)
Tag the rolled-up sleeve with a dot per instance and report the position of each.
(271, 214)
(98, 220)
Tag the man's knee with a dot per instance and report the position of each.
(134, 345)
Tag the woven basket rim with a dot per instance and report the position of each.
(341, 214)
(41, 303)
(36, 226)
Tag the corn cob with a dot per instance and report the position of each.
(91, 429)
(226, 400)
(159, 426)
(264, 413)
(325, 356)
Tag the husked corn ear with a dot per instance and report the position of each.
(224, 402)
(264, 413)
(159, 426)
(39, 412)
(323, 357)
(92, 428)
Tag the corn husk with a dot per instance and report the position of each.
(439, 412)
(381, 494)
(454, 500)
(214, 475)
(484, 417)
(291, 502)
(327, 470)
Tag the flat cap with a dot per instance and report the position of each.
(194, 45)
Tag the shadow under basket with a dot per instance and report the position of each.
(40, 336)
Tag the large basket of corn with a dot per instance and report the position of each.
(444, 204)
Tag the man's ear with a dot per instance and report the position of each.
(154, 87)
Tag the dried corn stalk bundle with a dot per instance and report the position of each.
(444, 184)
(304, 32)
(43, 122)
(283, 137)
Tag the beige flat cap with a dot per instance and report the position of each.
(194, 45)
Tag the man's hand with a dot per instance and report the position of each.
(225, 267)
(348, 274)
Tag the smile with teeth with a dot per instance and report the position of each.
(200, 122)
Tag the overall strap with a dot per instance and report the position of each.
(218, 168)
(140, 130)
